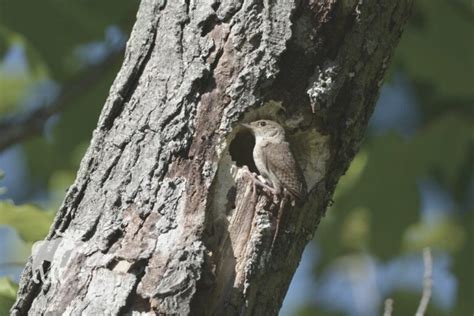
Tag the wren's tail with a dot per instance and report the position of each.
(283, 201)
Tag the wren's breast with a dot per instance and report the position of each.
(259, 159)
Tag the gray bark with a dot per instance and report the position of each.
(160, 219)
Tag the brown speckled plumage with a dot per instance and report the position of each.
(274, 159)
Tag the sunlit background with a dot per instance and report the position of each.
(410, 186)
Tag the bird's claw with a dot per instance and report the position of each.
(258, 181)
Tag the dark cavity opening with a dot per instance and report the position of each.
(241, 149)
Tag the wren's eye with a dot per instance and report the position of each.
(262, 123)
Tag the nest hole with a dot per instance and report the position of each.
(241, 150)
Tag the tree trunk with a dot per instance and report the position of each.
(161, 218)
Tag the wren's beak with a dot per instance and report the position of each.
(246, 126)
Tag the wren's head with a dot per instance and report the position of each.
(266, 130)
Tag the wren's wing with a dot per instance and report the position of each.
(281, 162)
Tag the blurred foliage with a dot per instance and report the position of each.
(377, 210)
(56, 28)
(71, 135)
(2, 189)
(8, 291)
(445, 234)
(437, 50)
(389, 181)
(378, 202)
(17, 80)
(31, 222)
(48, 41)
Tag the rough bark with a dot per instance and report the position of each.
(160, 218)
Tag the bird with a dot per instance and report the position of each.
(275, 161)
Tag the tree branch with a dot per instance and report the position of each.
(388, 307)
(427, 282)
(19, 127)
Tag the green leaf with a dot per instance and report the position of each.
(31, 222)
(462, 267)
(437, 49)
(352, 176)
(16, 83)
(442, 148)
(56, 28)
(445, 234)
(383, 179)
(388, 188)
(355, 232)
(8, 291)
